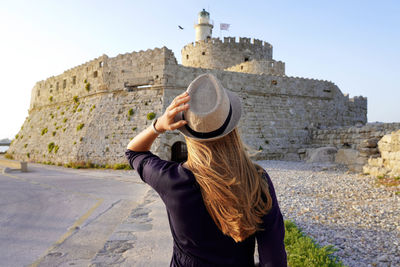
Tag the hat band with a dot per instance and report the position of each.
(212, 134)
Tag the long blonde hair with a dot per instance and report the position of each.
(234, 192)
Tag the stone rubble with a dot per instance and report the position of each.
(388, 164)
(360, 218)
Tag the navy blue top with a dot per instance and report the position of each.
(197, 239)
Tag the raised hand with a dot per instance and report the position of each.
(166, 121)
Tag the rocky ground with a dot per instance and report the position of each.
(359, 217)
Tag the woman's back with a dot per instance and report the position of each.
(197, 239)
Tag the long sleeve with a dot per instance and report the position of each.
(152, 170)
(271, 248)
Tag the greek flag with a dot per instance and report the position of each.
(224, 26)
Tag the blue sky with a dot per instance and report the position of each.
(354, 44)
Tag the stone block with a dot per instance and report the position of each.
(345, 156)
(367, 152)
(369, 143)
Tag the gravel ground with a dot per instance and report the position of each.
(360, 218)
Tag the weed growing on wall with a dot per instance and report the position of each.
(79, 127)
(44, 131)
(151, 116)
(50, 147)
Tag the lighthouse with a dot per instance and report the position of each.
(203, 27)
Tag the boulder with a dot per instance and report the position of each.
(321, 154)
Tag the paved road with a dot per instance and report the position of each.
(53, 216)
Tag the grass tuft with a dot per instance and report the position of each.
(303, 251)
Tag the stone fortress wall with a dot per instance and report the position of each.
(279, 111)
(90, 112)
(95, 123)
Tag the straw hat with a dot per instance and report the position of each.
(213, 111)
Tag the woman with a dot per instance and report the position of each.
(218, 202)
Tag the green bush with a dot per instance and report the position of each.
(121, 166)
(65, 120)
(44, 131)
(87, 87)
(8, 156)
(25, 145)
(303, 251)
(151, 116)
(54, 133)
(56, 147)
(75, 98)
(51, 98)
(16, 136)
(50, 147)
(28, 155)
(134, 128)
(85, 81)
(80, 126)
(130, 112)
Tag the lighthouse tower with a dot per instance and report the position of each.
(203, 27)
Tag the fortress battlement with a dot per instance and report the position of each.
(103, 74)
(231, 41)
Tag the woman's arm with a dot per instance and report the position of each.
(144, 140)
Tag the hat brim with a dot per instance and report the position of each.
(233, 122)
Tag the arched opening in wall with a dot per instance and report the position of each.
(203, 53)
(179, 152)
(246, 59)
(187, 56)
